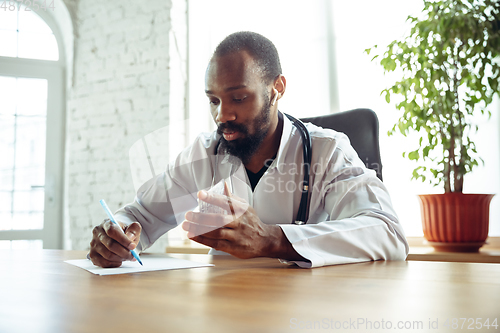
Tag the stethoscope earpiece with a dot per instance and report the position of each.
(275, 97)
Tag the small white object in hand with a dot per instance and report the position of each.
(208, 208)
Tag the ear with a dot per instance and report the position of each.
(280, 85)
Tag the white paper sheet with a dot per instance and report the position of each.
(151, 263)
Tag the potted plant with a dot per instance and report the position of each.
(450, 72)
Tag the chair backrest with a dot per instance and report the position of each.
(361, 126)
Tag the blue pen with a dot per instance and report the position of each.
(112, 218)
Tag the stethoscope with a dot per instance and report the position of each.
(307, 153)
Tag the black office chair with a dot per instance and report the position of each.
(361, 126)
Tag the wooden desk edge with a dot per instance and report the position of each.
(419, 250)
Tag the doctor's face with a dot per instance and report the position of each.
(239, 103)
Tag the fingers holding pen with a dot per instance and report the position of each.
(133, 232)
(102, 257)
(99, 253)
(116, 233)
(109, 241)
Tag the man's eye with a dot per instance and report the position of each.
(214, 101)
(238, 100)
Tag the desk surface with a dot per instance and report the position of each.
(41, 293)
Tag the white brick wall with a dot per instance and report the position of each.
(120, 93)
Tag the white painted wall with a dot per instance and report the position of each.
(120, 92)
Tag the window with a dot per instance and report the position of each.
(22, 141)
(31, 131)
(24, 34)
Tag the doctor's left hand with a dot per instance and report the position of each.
(241, 233)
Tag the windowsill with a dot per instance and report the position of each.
(187, 246)
(419, 250)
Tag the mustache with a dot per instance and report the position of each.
(232, 127)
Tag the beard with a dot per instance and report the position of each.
(244, 148)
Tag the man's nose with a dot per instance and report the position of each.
(224, 113)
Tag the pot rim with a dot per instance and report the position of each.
(457, 194)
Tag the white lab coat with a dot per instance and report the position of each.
(351, 218)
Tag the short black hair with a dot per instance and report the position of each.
(260, 48)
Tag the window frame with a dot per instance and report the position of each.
(54, 73)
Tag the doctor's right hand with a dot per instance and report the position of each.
(109, 246)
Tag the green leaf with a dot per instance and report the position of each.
(413, 155)
(434, 173)
(425, 151)
(493, 84)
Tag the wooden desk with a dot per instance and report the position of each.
(40, 293)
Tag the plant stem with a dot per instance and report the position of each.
(457, 176)
(447, 169)
(451, 154)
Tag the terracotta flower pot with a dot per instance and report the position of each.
(455, 222)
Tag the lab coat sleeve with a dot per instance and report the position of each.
(161, 202)
(152, 209)
(352, 218)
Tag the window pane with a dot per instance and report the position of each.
(32, 107)
(33, 89)
(38, 46)
(6, 180)
(28, 201)
(4, 244)
(6, 221)
(8, 46)
(25, 178)
(8, 95)
(5, 202)
(23, 137)
(24, 34)
(5, 210)
(8, 20)
(31, 22)
(6, 143)
(31, 97)
(36, 244)
(27, 221)
(30, 142)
